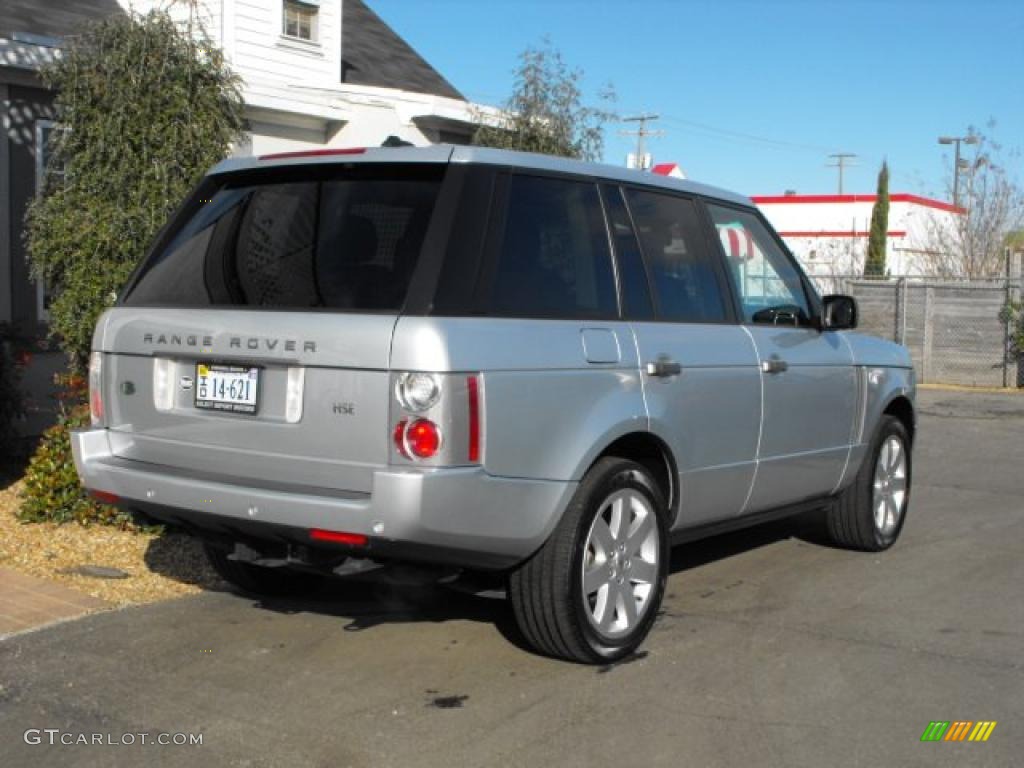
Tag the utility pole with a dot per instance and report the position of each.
(957, 162)
(841, 163)
(641, 134)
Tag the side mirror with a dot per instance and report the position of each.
(838, 312)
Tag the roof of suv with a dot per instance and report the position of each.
(445, 153)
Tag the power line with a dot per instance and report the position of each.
(641, 134)
(748, 137)
(841, 163)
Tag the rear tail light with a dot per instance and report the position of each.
(437, 418)
(96, 411)
(418, 392)
(422, 439)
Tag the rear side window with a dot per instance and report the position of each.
(348, 240)
(680, 267)
(553, 259)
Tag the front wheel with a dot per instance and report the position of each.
(592, 592)
(870, 513)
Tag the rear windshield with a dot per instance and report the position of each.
(342, 239)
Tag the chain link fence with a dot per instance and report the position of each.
(955, 329)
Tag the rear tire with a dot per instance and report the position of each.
(592, 592)
(870, 513)
(260, 580)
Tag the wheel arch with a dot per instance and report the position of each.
(901, 407)
(652, 453)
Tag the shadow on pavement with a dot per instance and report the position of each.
(808, 527)
(366, 601)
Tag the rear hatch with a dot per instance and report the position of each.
(254, 342)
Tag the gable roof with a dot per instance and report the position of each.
(52, 18)
(373, 54)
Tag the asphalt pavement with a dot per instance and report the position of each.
(774, 649)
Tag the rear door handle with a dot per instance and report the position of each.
(663, 366)
(774, 365)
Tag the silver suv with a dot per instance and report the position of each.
(486, 362)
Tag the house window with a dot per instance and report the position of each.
(48, 174)
(299, 20)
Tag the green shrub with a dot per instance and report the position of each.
(10, 398)
(52, 491)
(143, 110)
(1013, 314)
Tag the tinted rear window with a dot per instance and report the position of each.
(345, 239)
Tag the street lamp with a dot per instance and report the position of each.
(957, 167)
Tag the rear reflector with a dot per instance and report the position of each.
(473, 387)
(314, 153)
(105, 497)
(338, 537)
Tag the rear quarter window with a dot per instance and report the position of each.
(553, 259)
(340, 239)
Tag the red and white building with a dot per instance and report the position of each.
(829, 233)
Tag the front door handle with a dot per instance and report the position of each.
(774, 365)
(663, 366)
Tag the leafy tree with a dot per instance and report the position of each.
(874, 265)
(972, 245)
(545, 112)
(145, 106)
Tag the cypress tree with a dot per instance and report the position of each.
(874, 265)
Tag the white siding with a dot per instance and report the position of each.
(292, 90)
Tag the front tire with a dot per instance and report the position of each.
(260, 580)
(592, 592)
(869, 515)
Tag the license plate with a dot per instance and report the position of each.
(231, 388)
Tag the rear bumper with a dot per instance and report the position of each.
(461, 516)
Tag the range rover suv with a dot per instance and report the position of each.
(486, 362)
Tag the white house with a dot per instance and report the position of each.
(829, 233)
(327, 74)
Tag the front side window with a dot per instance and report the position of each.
(348, 243)
(300, 20)
(681, 270)
(554, 259)
(767, 282)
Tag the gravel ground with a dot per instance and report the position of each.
(158, 567)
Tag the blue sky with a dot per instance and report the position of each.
(754, 94)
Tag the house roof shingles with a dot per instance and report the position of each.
(374, 54)
(52, 18)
